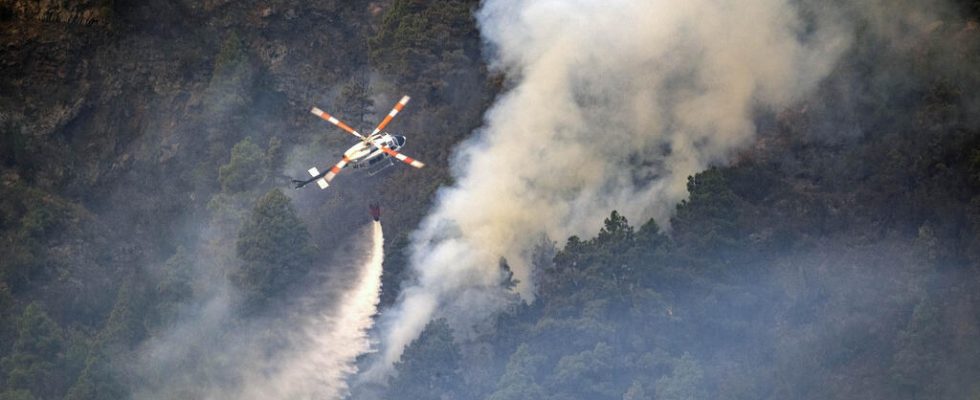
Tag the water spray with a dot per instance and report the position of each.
(329, 343)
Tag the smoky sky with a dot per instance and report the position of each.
(609, 105)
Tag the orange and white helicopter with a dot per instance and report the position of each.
(377, 147)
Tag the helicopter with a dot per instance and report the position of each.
(374, 151)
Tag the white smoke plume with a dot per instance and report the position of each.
(612, 105)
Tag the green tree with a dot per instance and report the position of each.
(706, 222)
(274, 154)
(6, 300)
(37, 355)
(246, 169)
(19, 394)
(591, 374)
(613, 243)
(353, 101)
(173, 288)
(608, 248)
(97, 381)
(228, 96)
(231, 63)
(650, 238)
(615, 229)
(418, 38)
(15, 145)
(519, 379)
(685, 382)
(275, 249)
(429, 367)
(125, 326)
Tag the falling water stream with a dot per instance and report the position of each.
(330, 343)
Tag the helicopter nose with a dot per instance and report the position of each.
(400, 140)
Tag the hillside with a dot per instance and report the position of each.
(137, 136)
(147, 149)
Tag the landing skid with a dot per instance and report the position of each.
(381, 166)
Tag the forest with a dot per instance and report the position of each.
(151, 244)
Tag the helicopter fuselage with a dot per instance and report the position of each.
(378, 148)
(363, 155)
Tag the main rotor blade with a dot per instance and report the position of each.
(391, 115)
(340, 124)
(401, 157)
(336, 169)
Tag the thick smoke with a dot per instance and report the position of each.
(612, 105)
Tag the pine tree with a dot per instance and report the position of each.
(706, 224)
(247, 167)
(37, 357)
(685, 382)
(518, 381)
(173, 288)
(97, 381)
(429, 367)
(275, 249)
(590, 374)
(615, 229)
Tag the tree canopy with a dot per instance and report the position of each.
(429, 366)
(275, 250)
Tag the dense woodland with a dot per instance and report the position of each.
(142, 162)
